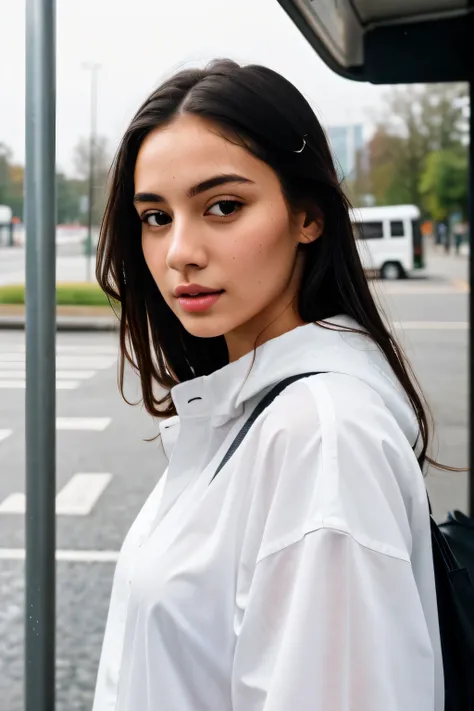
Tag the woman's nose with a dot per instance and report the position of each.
(186, 247)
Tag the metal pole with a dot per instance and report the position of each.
(40, 356)
(471, 296)
(94, 68)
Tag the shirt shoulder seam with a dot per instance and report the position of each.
(335, 526)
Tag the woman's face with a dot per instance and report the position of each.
(214, 218)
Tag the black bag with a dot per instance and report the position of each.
(453, 558)
(453, 561)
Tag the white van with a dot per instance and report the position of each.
(389, 239)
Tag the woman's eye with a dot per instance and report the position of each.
(156, 219)
(224, 208)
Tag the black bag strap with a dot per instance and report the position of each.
(441, 546)
(262, 405)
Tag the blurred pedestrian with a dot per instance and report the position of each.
(458, 230)
(443, 235)
(296, 574)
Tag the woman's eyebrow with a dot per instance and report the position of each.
(215, 182)
(148, 197)
(208, 184)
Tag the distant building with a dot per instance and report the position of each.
(346, 142)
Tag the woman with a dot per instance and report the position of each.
(300, 577)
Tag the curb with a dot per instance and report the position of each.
(68, 318)
(64, 323)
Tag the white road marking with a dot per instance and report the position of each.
(11, 366)
(432, 325)
(78, 361)
(13, 384)
(4, 434)
(80, 348)
(13, 504)
(81, 493)
(67, 385)
(96, 424)
(8, 357)
(21, 385)
(77, 498)
(76, 374)
(83, 364)
(65, 556)
(19, 373)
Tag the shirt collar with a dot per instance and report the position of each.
(221, 396)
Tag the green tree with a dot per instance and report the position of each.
(418, 121)
(444, 182)
(380, 172)
(428, 118)
(69, 192)
(15, 194)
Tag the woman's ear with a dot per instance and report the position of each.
(312, 227)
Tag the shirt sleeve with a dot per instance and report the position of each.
(331, 625)
(329, 615)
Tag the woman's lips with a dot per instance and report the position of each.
(201, 302)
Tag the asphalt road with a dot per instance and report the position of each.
(432, 313)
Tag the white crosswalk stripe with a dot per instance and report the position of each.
(13, 504)
(67, 361)
(75, 364)
(19, 374)
(81, 493)
(68, 556)
(77, 498)
(95, 424)
(105, 349)
(73, 424)
(21, 384)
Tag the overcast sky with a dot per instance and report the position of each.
(140, 42)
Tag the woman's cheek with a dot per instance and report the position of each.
(155, 258)
(245, 270)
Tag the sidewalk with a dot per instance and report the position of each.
(448, 267)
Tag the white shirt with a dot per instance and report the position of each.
(302, 577)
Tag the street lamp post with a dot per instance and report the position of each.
(94, 68)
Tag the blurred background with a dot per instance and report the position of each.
(393, 145)
(402, 153)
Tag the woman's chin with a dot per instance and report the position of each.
(207, 327)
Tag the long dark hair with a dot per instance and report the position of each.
(265, 113)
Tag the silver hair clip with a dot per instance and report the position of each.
(303, 146)
(123, 272)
